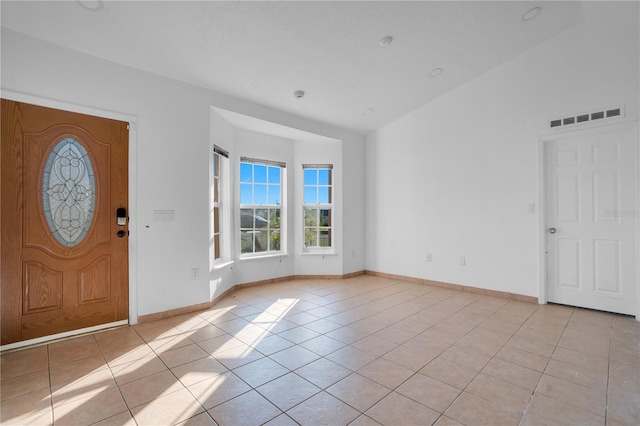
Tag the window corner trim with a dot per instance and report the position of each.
(265, 162)
(318, 253)
(242, 258)
(220, 264)
(220, 151)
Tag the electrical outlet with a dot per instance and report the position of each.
(428, 257)
(462, 261)
(195, 273)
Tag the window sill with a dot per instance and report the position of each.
(265, 256)
(223, 264)
(319, 253)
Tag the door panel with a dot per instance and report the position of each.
(93, 281)
(606, 190)
(41, 287)
(63, 265)
(568, 198)
(592, 203)
(569, 257)
(607, 266)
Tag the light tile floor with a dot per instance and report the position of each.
(360, 351)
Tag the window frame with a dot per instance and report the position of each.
(256, 206)
(220, 253)
(319, 206)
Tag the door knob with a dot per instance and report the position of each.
(552, 230)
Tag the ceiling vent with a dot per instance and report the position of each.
(587, 117)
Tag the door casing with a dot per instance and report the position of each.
(542, 204)
(132, 188)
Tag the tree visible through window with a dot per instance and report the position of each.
(260, 205)
(318, 206)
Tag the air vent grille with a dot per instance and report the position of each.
(587, 117)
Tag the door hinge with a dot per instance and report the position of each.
(128, 126)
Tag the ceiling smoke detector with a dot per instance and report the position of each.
(385, 41)
(531, 13)
(93, 5)
(436, 72)
(298, 94)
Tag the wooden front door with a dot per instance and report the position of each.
(64, 255)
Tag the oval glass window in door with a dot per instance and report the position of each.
(68, 192)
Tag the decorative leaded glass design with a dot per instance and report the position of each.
(68, 192)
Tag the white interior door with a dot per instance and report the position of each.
(592, 217)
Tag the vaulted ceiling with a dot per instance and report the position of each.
(332, 50)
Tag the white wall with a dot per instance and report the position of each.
(172, 167)
(455, 177)
(353, 206)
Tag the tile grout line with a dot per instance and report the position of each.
(204, 410)
(450, 346)
(252, 388)
(361, 413)
(418, 371)
(53, 417)
(606, 395)
(492, 357)
(535, 389)
(116, 382)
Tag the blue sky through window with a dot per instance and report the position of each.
(246, 196)
(274, 194)
(246, 172)
(310, 195)
(260, 184)
(259, 173)
(259, 193)
(323, 195)
(323, 177)
(310, 176)
(274, 175)
(317, 184)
